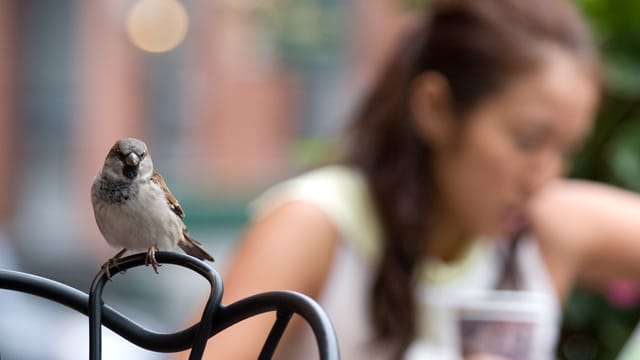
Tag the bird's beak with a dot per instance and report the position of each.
(132, 159)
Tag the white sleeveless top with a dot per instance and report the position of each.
(446, 290)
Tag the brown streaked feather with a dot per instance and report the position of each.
(188, 244)
(173, 202)
(194, 248)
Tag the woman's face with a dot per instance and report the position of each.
(512, 144)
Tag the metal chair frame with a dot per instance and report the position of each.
(215, 316)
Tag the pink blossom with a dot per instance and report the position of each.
(623, 293)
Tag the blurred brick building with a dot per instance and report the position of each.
(223, 113)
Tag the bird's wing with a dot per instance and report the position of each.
(173, 202)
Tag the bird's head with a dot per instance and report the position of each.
(128, 159)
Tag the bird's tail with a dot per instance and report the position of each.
(194, 248)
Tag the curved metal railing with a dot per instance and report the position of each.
(215, 316)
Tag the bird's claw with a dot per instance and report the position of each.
(112, 262)
(106, 266)
(151, 259)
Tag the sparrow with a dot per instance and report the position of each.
(134, 208)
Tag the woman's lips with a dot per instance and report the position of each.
(513, 220)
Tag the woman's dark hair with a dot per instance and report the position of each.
(477, 46)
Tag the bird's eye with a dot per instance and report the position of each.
(144, 153)
(120, 154)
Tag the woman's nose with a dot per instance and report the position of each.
(549, 166)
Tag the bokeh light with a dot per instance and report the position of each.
(157, 25)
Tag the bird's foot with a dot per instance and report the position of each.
(105, 267)
(112, 262)
(151, 259)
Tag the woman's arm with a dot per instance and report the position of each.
(589, 232)
(291, 248)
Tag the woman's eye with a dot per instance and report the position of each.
(527, 142)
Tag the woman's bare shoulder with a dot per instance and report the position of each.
(569, 199)
(587, 231)
(581, 225)
(577, 215)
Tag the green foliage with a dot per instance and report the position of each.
(602, 328)
(415, 4)
(305, 32)
(312, 152)
(611, 155)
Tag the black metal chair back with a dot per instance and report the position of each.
(215, 317)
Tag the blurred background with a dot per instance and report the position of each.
(230, 96)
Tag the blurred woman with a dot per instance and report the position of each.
(452, 186)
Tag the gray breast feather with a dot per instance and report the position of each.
(136, 216)
(114, 192)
